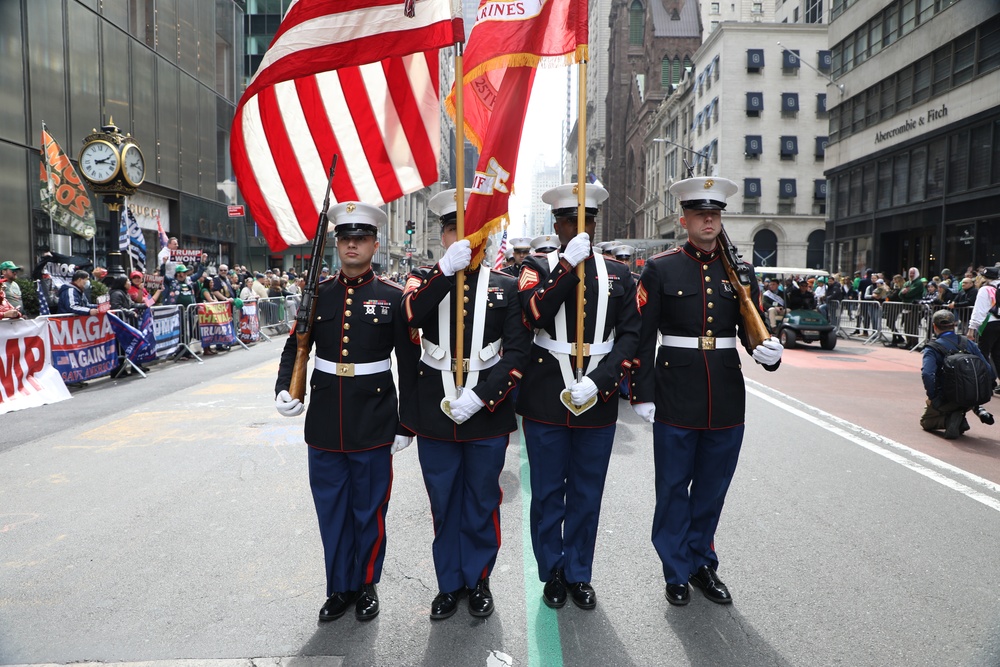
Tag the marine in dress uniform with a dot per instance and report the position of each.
(352, 425)
(462, 455)
(521, 248)
(545, 243)
(569, 453)
(687, 381)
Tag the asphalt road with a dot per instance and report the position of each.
(169, 520)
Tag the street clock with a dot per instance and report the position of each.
(133, 164)
(112, 162)
(99, 161)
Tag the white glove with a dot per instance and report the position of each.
(584, 390)
(768, 352)
(578, 249)
(399, 443)
(646, 411)
(466, 405)
(456, 257)
(288, 406)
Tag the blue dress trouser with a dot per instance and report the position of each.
(463, 484)
(693, 469)
(568, 470)
(351, 493)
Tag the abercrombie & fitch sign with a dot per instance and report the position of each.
(911, 124)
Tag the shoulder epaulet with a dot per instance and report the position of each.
(672, 251)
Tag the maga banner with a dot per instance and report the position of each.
(27, 378)
(83, 347)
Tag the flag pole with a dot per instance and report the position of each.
(459, 346)
(581, 212)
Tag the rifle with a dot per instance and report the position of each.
(307, 308)
(740, 277)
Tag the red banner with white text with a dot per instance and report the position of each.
(27, 377)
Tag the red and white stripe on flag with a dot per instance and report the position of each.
(358, 78)
(501, 253)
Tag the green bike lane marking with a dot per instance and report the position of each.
(542, 637)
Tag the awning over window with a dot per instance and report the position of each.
(755, 59)
(789, 59)
(754, 145)
(789, 102)
(789, 145)
(755, 101)
(751, 187)
(821, 146)
(825, 61)
(819, 188)
(786, 188)
(820, 102)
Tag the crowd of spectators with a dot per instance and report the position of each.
(916, 295)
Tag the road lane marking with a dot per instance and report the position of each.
(857, 434)
(544, 643)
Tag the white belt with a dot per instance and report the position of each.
(437, 357)
(352, 370)
(699, 342)
(545, 341)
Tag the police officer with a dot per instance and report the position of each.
(687, 382)
(352, 426)
(462, 436)
(569, 443)
(521, 247)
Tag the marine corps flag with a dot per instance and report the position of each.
(508, 41)
(64, 196)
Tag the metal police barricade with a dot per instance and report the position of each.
(168, 331)
(906, 322)
(199, 321)
(270, 312)
(866, 321)
(130, 318)
(962, 316)
(248, 322)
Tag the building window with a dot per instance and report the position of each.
(665, 72)
(821, 105)
(989, 46)
(636, 23)
(758, 8)
(786, 188)
(755, 103)
(751, 188)
(814, 11)
(755, 60)
(715, 7)
(789, 103)
(790, 60)
(789, 147)
(821, 147)
(825, 62)
(765, 248)
(753, 146)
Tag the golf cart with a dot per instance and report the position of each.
(800, 326)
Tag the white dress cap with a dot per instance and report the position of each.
(707, 194)
(565, 197)
(545, 242)
(445, 204)
(520, 243)
(355, 218)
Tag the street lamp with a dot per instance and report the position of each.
(829, 78)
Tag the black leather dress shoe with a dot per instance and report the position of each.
(336, 605)
(678, 594)
(366, 608)
(583, 595)
(445, 604)
(708, 581)
(481, 599)
(554, 593)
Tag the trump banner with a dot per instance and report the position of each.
(83, 346)
(27, 377)
(249, 324)
(215, 323)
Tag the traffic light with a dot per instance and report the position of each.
(411, 227)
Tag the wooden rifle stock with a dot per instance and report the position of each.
(756, 330)
(307, 308)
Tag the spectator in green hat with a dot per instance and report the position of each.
(8, 270)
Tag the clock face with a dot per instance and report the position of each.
(133, 165)
(99, 161)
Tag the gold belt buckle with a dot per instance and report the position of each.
(465, 365)
(345, 370)
(706, 342)
(586, 349)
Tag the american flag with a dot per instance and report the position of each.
(501, 253)
(358, 78)
(43, 299)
